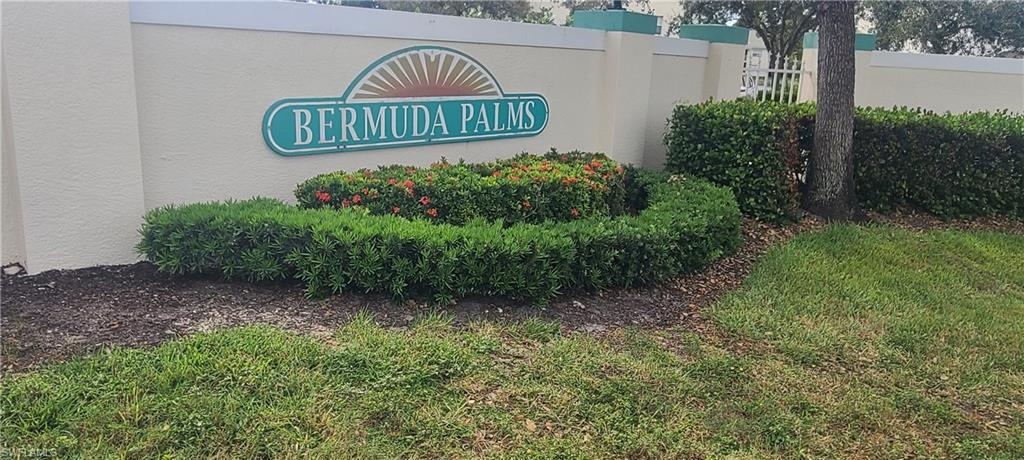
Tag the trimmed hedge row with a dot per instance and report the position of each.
(687, 223)
(526, 188)
(953, 165)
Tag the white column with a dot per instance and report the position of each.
(73, 121)
(626, 90)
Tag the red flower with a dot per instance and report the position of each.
(345, 203)
(425, 200)
(432, 212)
(575, 213)
(357, 199)
(408, 184)
(395, 210)
(322, 196)
(526, 204)
(392, 181)
(596, 164)
(496, 173)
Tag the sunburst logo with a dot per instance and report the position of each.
(413, 96)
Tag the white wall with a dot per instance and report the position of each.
(110, 109)
(72, 132)
(202, 93)
(116, 108)
(674, 80)
(936, 82)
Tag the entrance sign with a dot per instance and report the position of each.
(413, 96)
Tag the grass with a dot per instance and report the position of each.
(850, 342)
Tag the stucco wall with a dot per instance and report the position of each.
(13, 233)
(110, 109)
(74, 127)
(116, 108)
(935, 82)
(202, 93)
(674, 80)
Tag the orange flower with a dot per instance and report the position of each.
(575, 213)
(408, 183)
(432, 212)
(395, 210)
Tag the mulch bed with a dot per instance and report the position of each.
(58, 314)
(62, 313)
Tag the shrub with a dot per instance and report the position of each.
(526, 188)
(686, 224)
(948, 165)
(754, 148)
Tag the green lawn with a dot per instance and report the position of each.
(849, 342)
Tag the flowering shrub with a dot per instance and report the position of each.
(527, 188)
(682, 225)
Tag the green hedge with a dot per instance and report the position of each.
(526, 188)
(686, 224)
(948, 165)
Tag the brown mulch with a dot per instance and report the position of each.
(62, 313)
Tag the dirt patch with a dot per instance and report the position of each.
(58, 314)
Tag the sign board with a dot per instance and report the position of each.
(414, 96)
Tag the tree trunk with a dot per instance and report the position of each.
(830, 192)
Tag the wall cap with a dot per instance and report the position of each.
(616, 21)
(281, 16)
(715, 33)
(862, 42)
(668, 46)
(947, 62)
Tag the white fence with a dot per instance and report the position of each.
(764, 80)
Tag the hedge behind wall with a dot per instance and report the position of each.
(953, 165)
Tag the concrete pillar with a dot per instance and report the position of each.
(626, 80)
(72, 121)
(626, 91)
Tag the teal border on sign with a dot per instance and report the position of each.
(272, 110)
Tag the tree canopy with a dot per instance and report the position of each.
(781, 25)
(503, 10)
(980, 28)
